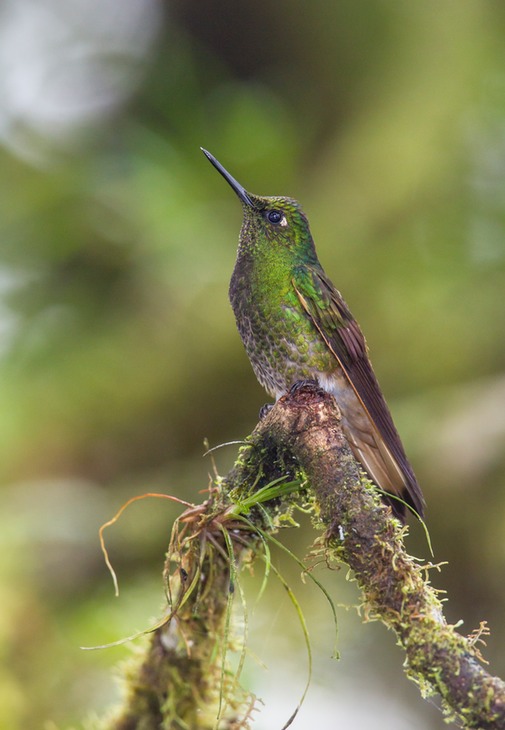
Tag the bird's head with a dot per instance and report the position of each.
(277, 221)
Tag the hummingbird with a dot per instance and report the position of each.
(295, 325)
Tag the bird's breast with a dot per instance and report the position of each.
(282, 343)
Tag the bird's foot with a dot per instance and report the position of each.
(309, 384)
(304, 392)
(264, 410)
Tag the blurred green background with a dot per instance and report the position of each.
(118, 348)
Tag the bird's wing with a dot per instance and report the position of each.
(332, 318)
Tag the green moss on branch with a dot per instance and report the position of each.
(179, 681)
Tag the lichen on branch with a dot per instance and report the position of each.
(297, 451)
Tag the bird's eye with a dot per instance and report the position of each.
(274, 216)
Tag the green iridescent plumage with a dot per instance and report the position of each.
(295, 325)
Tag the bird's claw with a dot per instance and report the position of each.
(308, 384)
(264, 410)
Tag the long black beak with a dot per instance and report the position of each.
(237, 187)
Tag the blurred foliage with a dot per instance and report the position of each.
(118, 349)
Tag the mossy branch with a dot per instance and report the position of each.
(180, 682)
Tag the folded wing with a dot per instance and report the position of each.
(378, 447)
